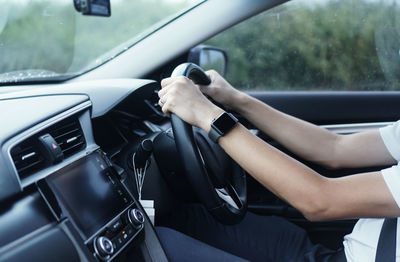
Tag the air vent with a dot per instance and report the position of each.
(30, 155)
(69, 136)
(27, 158)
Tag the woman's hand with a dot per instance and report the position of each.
(221, 91)
(179, 95)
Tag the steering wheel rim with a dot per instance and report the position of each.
(217, 201)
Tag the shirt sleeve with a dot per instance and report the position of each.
(391, 137)
(392, 179)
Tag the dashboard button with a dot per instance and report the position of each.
(122, 237)
(103, 247)
(129, 230)
(116, 226)
(120, 240)
(135, 217)
(108, 248)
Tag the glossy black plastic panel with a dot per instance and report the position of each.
(51, 245)
(23, 216)
(335, 107)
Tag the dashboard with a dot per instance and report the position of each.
(61, 194)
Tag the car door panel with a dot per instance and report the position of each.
(335, 107)
(341, 112)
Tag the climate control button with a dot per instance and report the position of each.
(135, 217)
(103, 247)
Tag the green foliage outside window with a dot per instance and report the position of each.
(51, 35)
(301, 45)
(316, 45)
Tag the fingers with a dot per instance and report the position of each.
(167, 85)
(170, 80)
(163, 91)
(212, 74)
(165, 105)
(163, 95)
(208, 91)
(168, 91)
(176, 91)
(204, 89)
(161, 102)
(166, 109)
(166, 81)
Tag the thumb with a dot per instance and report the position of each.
(205, 89)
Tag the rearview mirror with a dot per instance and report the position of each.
(209, 57)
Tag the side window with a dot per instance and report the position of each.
(316, 45)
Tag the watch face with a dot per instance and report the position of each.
(225, 123)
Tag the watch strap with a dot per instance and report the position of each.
(214, 134)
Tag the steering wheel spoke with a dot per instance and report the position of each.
(229, 195)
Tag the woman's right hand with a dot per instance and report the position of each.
(221, 91)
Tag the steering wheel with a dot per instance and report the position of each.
(218, 182)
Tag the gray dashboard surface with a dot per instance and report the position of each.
(23, 107)
(104, 94)
(20, 114)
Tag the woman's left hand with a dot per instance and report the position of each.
(179, 95)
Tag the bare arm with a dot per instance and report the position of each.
(317, 197)
(314, 143)
(300, 137)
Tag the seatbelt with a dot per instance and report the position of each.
(386, 249)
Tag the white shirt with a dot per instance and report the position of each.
(360, 245)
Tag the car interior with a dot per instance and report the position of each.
(90, 165)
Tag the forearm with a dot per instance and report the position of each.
(287, 178)
(302, 138)
(315, 196)
(314, 143)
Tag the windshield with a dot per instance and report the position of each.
(48, 40)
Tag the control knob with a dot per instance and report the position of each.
(135, 217)
(103, 247)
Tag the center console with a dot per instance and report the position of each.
(89, 194)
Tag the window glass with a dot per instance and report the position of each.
(48, 40)
(316, 45)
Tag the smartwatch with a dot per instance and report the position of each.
(221, 125)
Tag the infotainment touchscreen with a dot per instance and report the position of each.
(89, 192)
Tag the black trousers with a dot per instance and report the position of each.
(256, 238)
